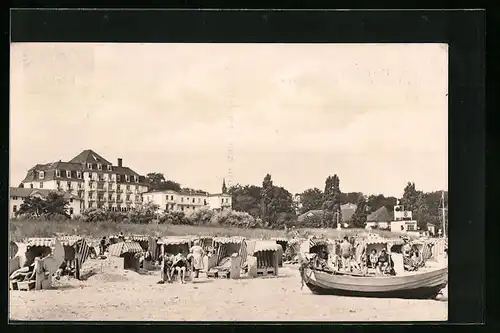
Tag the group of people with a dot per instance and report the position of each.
(181, 264)
(381, 261)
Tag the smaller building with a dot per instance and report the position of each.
(381, 218)
(431, 228)
(17, 196)
(188, 200)
(404, 226)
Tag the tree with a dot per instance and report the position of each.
(280, 208)
(410, 197)
(266, 196)
(311, 199)
(54, 204)
(246, 199)
(328, 206)
(350, 197)
(157, 182)
(144, 214)
(358, 220)
(414, 201)
(337, 209)
(374, 202)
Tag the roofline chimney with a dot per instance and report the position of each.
(120, 162)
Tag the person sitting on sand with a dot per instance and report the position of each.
(373, 258)
(167, 262)
(180, 266)
(383, 262)
(23, 273)
(198, 254)
(346, 252)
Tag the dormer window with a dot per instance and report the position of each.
(79, 174)
(68, 173)
(136, 179)
(89, 165)
(110, 168)
(41, 175)
(99, 166)
(127, 178)
(58, 173)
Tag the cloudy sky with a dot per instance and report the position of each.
(376, 115)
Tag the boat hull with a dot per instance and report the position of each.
(418, 286)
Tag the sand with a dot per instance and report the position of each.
(114, 294)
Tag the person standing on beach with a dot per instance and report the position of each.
(198, 254)
(346, 252)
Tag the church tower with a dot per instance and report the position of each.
(224, 187)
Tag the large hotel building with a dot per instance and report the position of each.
(88, 176)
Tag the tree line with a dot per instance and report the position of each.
(268, 206)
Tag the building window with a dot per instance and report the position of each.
(199, 200)
(171, 197)
(71, 200)
(41, 175)
(14, 198)
(118, 178)
(127, 178)
(41, 185)
(205, 202)
(68, 174)
(182, 199)
(182, 208)
(78, 175)
(110, 168)
(58, 173)
(14, 208)
(99, 166)
(172, 206)
(166, 197)
(31, 185)
(166, 207)
(136, 179)
(89, 165)
(193, 200)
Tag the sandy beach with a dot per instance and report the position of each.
(110, 293)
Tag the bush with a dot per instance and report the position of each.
(174, 218)
(201, 216)
(311, 222)
(233, 218)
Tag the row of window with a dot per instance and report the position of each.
(99, 166)
(112, 198)
(41, 175)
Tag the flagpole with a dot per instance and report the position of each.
(444, 215)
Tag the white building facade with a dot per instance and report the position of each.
(91, 178)
(188, 201)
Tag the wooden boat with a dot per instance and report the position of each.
(415, 285)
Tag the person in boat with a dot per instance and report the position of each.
(346, 252)
(373, 258)
(406, 249)
(384, 262)
(198, 254)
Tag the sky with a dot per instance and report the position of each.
(374, 114)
